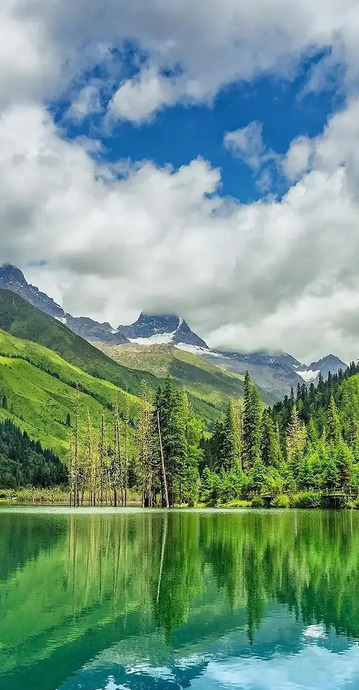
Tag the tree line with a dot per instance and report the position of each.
(24, 462)
(307, 443)
(162, 464)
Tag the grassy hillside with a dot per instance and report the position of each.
(22, 320)
(208, 387)
(41, 388)
(199, 377)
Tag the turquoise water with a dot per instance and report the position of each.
(256, 600)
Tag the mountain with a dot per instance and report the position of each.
(327, 364)
(11, 278)
(22, 320)
(278, 372)
(41, 389)
(161, 329)
(273, 373)
(200, 378)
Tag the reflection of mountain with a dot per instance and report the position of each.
(123, 588)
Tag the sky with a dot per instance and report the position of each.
(197, 158)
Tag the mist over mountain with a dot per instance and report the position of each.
(12, 278)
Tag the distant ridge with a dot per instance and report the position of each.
(12, 278)
(275, 373)
(165, 329)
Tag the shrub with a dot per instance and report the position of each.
(237, 503)
(281, 501)
(306, 499)
(257, 502)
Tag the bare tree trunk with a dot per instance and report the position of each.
(102, 458)
(162, 461)
(126, 453)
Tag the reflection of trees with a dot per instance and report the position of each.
(22, 539)
(118, 575)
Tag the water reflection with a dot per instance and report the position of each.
(178, 600)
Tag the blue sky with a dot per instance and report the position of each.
(180, 133)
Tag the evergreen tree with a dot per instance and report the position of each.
(333, 430)
(231, 440)
(296, 440)
(270, 447)
(251, 425)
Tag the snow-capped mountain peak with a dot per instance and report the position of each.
(161, 329)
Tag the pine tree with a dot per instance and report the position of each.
(251, 425)
(270, 447)
(333, 428)
(296, 440)
(231, 440)
(145, 445)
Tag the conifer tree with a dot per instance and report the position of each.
(251, 425)
(333, 429)
(296, 440)
(270, 447)
(145, 448)
(231, 440)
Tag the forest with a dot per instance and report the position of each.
(24, 462)
(295, 453)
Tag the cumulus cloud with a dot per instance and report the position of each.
(247, 144)
(120, 237)
(87, 102)
(270, 274)
(46, 47)
(139, 98)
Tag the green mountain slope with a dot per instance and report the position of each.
(22, 320)
(208, 386)
(41, 388)
(199, 377)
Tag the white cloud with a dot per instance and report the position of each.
(139, 98)
(44, 46)
(297, 160)
(87, 102)
(269, 274)
(247, 144)
(276, 274)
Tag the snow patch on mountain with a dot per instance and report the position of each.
(156, 339)
(309, 375)
(194, 349)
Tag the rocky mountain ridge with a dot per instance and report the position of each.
(274, 372)
(12, 278)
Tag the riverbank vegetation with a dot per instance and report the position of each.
(303, 452)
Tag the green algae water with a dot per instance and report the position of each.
(252, 600)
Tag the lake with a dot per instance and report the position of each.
(157, 600)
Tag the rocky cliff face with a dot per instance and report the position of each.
(160, 329)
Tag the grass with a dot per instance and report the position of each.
(209, 386)
(21, 319)
(41, 388)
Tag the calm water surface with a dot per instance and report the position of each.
(169, 600)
